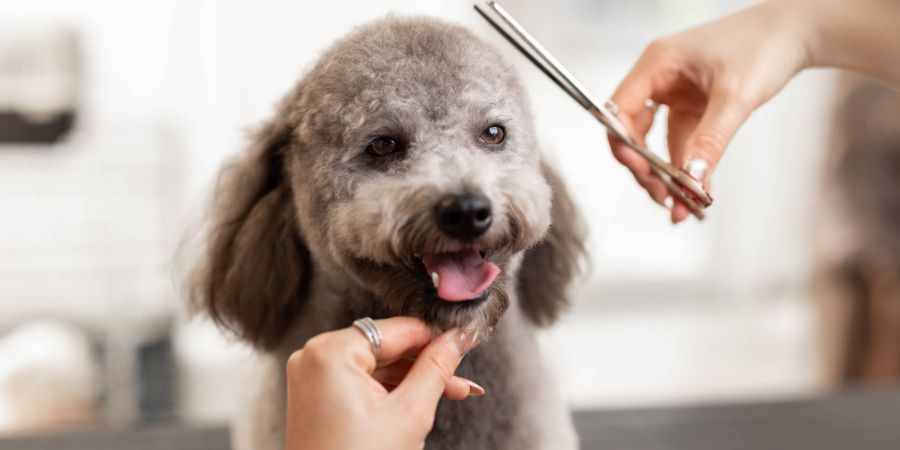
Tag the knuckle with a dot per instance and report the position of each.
(659, 46)
(734, 90)
(668, 48)
(316, 349)
(328, 350)
(720, 64)
(710, 142)
(294, 361)
(729, 86)
(743, 100)
(359, 357)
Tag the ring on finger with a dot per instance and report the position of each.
(368, 328)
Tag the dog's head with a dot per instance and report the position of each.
(404, 164)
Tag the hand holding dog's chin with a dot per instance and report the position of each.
(341, 397)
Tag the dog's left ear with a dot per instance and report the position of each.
(549, 268)
(253, 277)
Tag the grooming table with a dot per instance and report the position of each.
(856, 420)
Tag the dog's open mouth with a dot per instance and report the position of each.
(460, 276)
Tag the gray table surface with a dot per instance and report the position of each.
(857, 420)
(860, 420)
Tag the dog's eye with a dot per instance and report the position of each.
(382, 146)
(492, 135)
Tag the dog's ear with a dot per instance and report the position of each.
(549, 268)
(256, 265)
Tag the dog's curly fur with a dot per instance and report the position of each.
(310, 232)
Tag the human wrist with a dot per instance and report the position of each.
(822, 32)
(798, 26)
(857, 36)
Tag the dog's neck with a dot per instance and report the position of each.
(334, 301)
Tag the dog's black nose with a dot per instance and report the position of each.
(464, 216)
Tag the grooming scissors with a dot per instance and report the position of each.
(688, 189)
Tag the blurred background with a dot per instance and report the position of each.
(115, 117)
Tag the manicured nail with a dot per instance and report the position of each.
(697, 168)
(474, 389)
(668, 202)
(465, 339)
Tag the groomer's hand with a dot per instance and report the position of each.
(339, 396)
(711, 78)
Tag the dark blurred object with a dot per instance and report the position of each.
(156, 390)
(857, 420)
(860, 276)
(156, 437)
(38, 84)
(17, 128)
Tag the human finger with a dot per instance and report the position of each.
(725, 112)
(457, 388)
(433, 369)
(400, 337)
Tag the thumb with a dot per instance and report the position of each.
(725, 113)
(425, 383)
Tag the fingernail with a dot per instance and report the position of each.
(465, 339)
(697, 168)
(474, 389)
(668, 202)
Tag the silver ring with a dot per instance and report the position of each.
(368, 328)
(651, 105)
(612, 107)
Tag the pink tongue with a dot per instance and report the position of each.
(463, 275)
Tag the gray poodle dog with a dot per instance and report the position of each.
(400, 177)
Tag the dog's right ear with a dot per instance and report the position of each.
(256, 265)
(553, 264)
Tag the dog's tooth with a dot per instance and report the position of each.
(436, 279)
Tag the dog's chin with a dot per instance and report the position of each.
(408, 290)
(482, 312)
